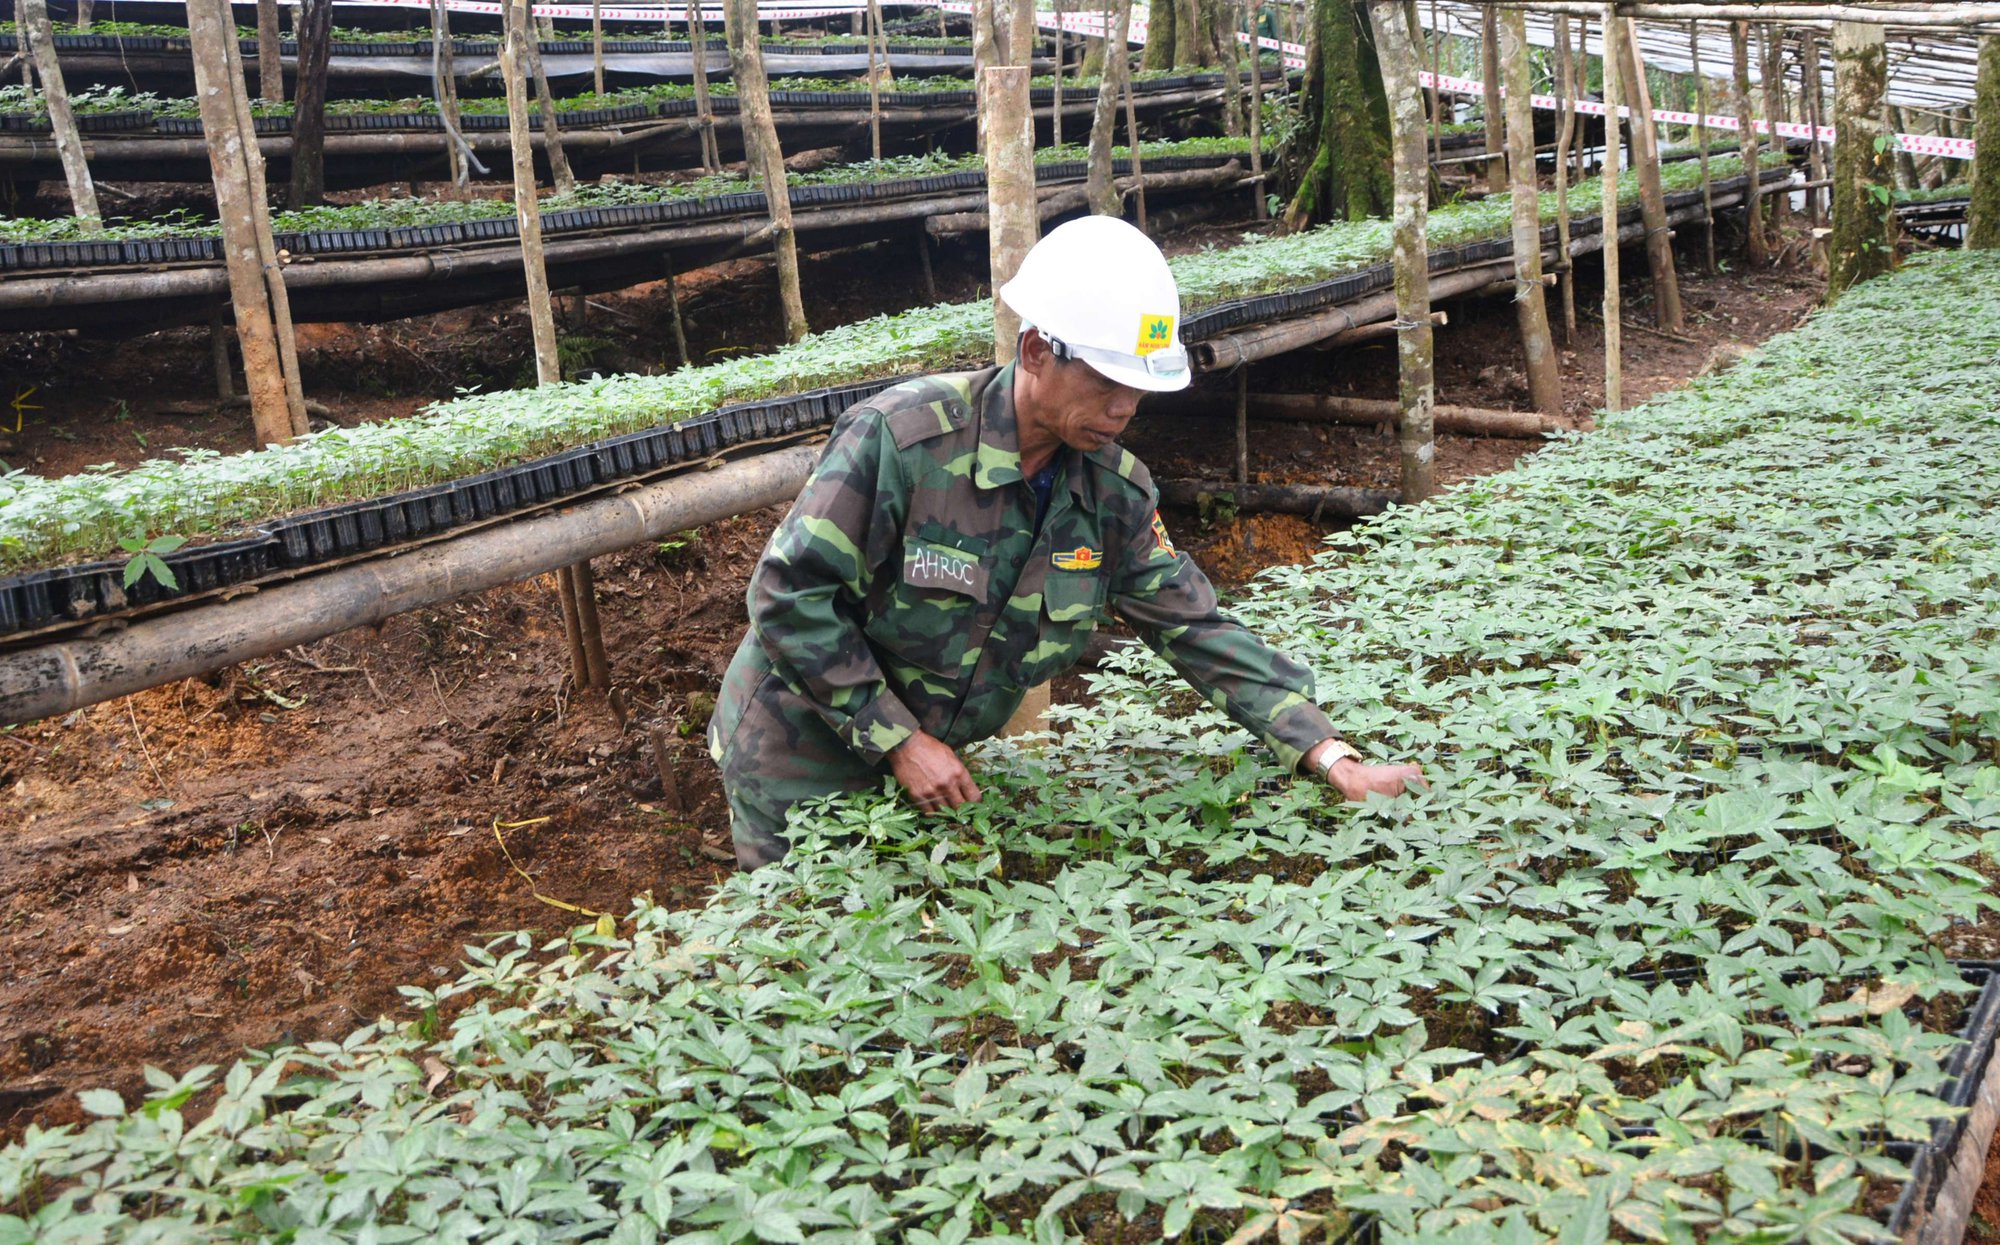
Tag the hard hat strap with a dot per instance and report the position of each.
(1169, 362)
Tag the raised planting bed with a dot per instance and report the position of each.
(52, 522)
(1152, 986)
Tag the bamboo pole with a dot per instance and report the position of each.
(753, 91)
(1010, 191)
(1489, 59)
(1103, 196)
(1566, 88)
(1436, 41)
(270, 59)
(1243, 425)
(1652, 198)
(39, 34)
(674, 312)
(711, 153)
(1739, 50)
(515, 75)
(1579, 76)
(238, 196)
(597, 46)
(1614, 385)
(1812, 98)
(1530, 301)
(1396, 47)
(1770, 47)
(1701, 137)
(560, 176)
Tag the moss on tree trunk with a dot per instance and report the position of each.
(1160, 38)
(1984, 230)
(1340, 159)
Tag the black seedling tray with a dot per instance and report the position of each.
(45, 598)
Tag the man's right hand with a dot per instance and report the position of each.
(932, 773)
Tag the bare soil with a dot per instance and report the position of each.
(266, 855)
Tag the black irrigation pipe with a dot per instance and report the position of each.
(110, 254)
(67, 596)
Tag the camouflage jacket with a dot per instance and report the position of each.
(908, 588)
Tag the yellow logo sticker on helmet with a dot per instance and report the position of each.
(1155, 333)
(1081, 558)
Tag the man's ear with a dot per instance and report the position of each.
(1033, 354)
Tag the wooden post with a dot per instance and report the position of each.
(39, 34)
(584, 582)
(1566, 88)
(674, 311)
(1132, 141)
(1906, 164)
(515, 75)
(315, 37)
(1579, 76)
(1530, 301)
(1257, 114)
(218, 356)
(560, 176)
(1055, 114)
(1701, 137)
(444, 81)
(984, 55)
(1862, 246)
(597, 46)
(711, 154)
(1012, 222)
(874, 91)
(1396, 47)
(1489, 60)
(256, 287)
(270, 54)
(1098, 188)
(1982, 230)
(1771, 46)
(1437, 70)
(753, 93)
(1243, 425)
(1614, 384)
(1739, 48)
(1652, 198)
(1812, 99)
(579, 665)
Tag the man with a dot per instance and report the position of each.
(959, 541)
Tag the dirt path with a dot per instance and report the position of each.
(266, 855)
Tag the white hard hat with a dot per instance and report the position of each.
(1100, 291)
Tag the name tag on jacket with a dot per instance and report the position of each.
(927, 564)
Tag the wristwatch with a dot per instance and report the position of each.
(1337, 750)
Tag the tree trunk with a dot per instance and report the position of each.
(1495, 112)
(1056, 112)
(1530, 301)
(560, 176)
(40, 36)
(515, 74)
(1906, 164)
(1020, 35)
(1815, 109)
(1652, 198)
(711, 153)
(753, 92)
(1566, 88)
(1862, 204)
(256, 288)
(1404, 101)
(1257, 117)
(1341, 152)
(1132, 147)
(1219, 48)
(1159, 53)
(83, 9)
(1739, 49)
(270, 54)
(1012, 221)
(1614, 381)
(1187, 32)
(315, 37)
(985, 55)
(1701, 137)
(1983, 231)
(1103, 196)
(875, 92)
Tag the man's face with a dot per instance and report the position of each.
(1070, 400)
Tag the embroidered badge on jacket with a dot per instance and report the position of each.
(1081, 558)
